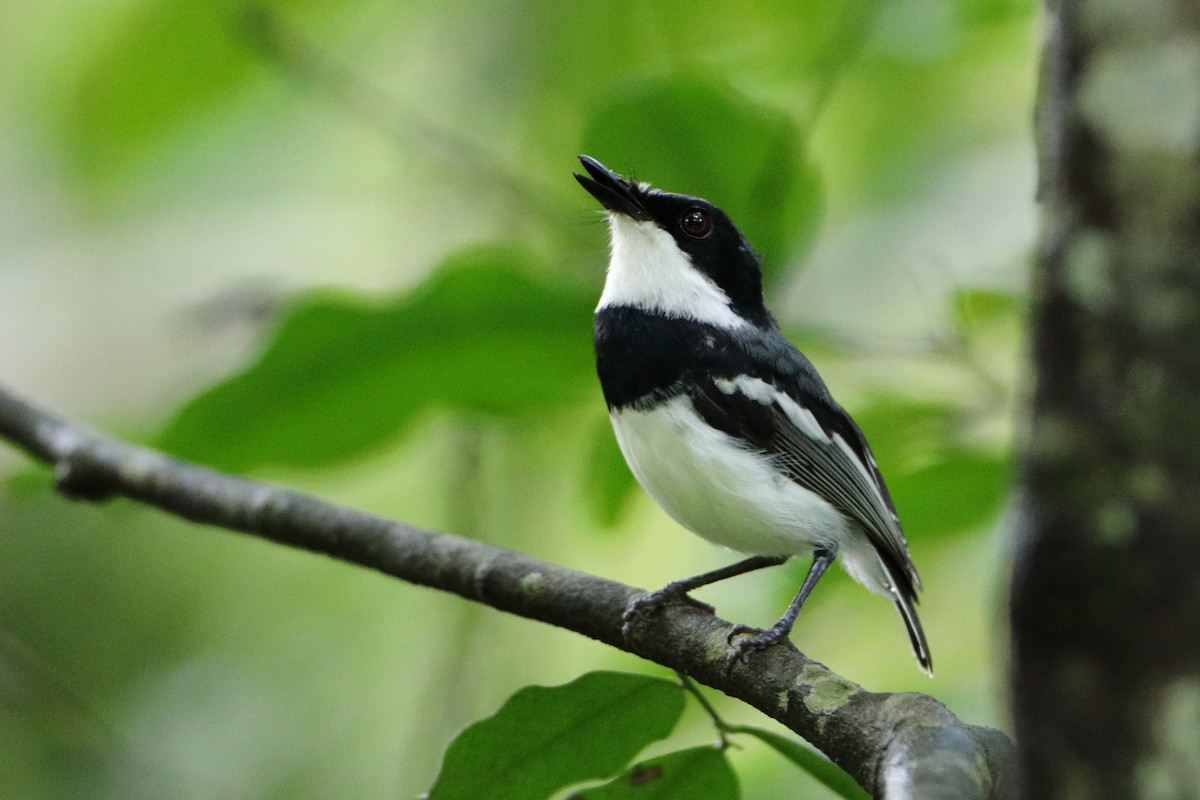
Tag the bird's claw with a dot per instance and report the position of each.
(649, 604)
(744, 640)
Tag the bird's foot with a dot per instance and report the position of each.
(744, 640)
(649, 604)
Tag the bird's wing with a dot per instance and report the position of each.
(792, 418)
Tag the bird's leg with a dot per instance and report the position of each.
(743, 639)
(646, 604)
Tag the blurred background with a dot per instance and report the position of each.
(337, 245)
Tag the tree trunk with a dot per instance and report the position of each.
(1106, 588)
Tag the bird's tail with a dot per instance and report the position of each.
(907, 606)
(905, 597)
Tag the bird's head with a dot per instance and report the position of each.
(676, 255)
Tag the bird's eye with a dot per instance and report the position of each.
(696, 223)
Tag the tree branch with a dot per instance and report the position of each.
(897, 746)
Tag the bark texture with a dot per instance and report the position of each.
(1106, 587)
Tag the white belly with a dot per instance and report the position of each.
(719, 490)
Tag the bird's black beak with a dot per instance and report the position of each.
(614, 192)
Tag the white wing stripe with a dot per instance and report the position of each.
(760, 391)
(854, 459)
(823, 462)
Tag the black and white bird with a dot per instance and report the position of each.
(723, 421)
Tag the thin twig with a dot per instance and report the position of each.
(721, 725)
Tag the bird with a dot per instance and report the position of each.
(723, 421)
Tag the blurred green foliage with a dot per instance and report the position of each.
(745, 158)
(417, 157)
(160, 69)
(341, 374)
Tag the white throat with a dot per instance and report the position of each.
(649, 271)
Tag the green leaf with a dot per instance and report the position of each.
(961, 492)
(545, 738)
(904, 432)
(343, 373)
(700, 773)
(815, 764)
(697, 138)
(940, 484)
(610, 484)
